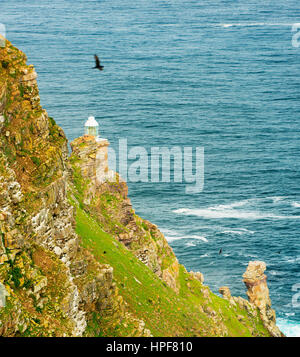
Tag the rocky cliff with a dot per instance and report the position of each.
(75, 259)
(54, 285)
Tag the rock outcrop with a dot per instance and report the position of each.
(225, 292)
(105, 195)
(258, 294)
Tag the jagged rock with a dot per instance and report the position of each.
(198, 276)
(78, 267)
(256, 283)
(244, 305)
(209, 310)
(258, 294)
(93, 155)
(40, 285)
(225, 292)
(170, 275)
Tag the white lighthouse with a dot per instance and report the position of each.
(93, 154)
(91, 127)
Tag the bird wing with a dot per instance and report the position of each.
(97, 60)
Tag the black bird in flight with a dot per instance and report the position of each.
(97, 63)
(220, 251)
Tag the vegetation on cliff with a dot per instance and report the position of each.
(75, 259)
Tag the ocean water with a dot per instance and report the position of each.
(222, 75)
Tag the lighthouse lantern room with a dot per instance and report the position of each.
(91, 127)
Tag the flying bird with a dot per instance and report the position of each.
(97, 63)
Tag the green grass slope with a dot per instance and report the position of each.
(195, 311)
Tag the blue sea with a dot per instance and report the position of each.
(222, 75)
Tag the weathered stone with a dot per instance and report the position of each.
(57, 251)
(225, 292)
(197, 275)
(256, 283)
(29, 76)
(78, 267)
(93, 154)
(258, 294)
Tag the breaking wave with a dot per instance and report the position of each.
(172, 238)
(228, 211)
(288, 327)
(238, 231)
(172, 235)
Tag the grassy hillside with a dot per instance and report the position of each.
(195, 311)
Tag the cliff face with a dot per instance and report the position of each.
(75, 259)
(54, 285)
(107, 200)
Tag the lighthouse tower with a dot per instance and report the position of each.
(91, 127)
(93, 154)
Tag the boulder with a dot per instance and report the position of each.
(225, 292)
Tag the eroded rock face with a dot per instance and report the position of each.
(93, 155)
(53, 285)
(258, 294)
(105, 196)
(256, 283)
(198, 276)
(225, 292)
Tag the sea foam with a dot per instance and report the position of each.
(226, 211)
(172, 238)
(239, 231)
(289, 328)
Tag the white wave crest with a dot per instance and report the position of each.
(172, 238)
(238, 231)
(204, 255)
(275, 273)
(277, 198)
(220, 212)
(292, 260)
(295, 204)
(190, 244)
(168, 231)
(172, 235)
(233, 205)
(289, 328)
